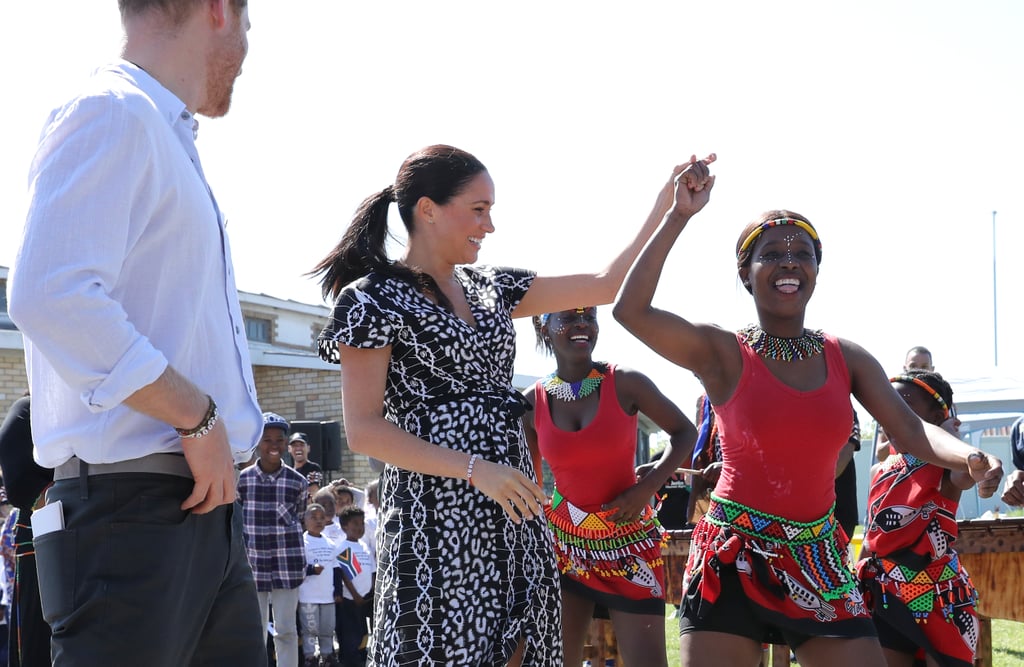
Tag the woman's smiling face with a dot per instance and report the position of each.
(573, 331)
(783, 267)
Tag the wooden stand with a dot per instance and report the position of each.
(992, 552)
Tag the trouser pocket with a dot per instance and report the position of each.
(55, 567)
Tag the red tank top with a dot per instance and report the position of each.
(595, 464)
(779, 444)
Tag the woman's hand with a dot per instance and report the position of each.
(517, 494)
(712, 473)
(628, 505)
(692, 187)
(644, 469)
(987, 471)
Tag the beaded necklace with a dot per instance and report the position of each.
(556, 387)
(768, 346)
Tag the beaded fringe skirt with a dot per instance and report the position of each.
(616, 564)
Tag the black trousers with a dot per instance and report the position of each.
(134, 580)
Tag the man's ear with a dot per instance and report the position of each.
(217, 11)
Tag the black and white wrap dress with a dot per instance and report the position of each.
(458, 583)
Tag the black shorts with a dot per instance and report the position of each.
(733, 613)
(891, 638)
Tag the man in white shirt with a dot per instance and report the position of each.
(143, 395)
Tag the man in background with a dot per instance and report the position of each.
(298, 447)
(918, 357)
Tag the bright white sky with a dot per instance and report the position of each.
(894, 126)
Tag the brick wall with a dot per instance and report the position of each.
(291, 392)
(13, 381)
(305, 394)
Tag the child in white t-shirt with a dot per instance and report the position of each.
(316, 593)
(358, 568)
(332, 530)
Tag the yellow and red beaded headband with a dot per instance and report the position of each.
(907, 379)
(547, 316)
(749, 241)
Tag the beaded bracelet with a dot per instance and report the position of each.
(205, 426)
(469, 470)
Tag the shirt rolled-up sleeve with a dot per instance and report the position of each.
(86, 209)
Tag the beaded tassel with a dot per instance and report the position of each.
(572, 391)
(768, 346)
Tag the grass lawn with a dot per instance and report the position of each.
(1007, 643)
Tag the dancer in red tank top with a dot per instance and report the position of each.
(607, 537)
(922, 597)
(767, 562)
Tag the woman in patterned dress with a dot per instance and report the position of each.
(768, 561)
(466, 573)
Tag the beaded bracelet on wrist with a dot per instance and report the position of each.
(205, 426)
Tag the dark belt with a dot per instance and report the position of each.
(160, 464)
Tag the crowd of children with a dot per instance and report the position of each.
(330, 594)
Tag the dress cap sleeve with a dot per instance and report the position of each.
(512, 284)
(359, 320)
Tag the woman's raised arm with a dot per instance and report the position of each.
(549, 294)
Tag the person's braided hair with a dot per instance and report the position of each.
(933, 384)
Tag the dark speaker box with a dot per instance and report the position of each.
(330, 438)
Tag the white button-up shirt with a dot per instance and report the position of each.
(125, 268)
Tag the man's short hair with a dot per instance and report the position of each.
(176, 10)
(919, 349)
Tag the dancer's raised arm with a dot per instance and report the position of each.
(689, 345)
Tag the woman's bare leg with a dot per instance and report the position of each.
(577, 613)
(836, 652)
(641, 638)
(719, 649)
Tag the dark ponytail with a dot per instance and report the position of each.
(362, 248)
(437, 172)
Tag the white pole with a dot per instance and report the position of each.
(995, 303)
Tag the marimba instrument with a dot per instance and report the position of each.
(992, 552)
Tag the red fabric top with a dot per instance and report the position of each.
(907, 512)
(779, 444)
(597, 463)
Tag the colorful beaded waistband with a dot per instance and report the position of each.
(576, 527)
(747, 520)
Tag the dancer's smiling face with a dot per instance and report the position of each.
(783, 266)
(573, 331)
